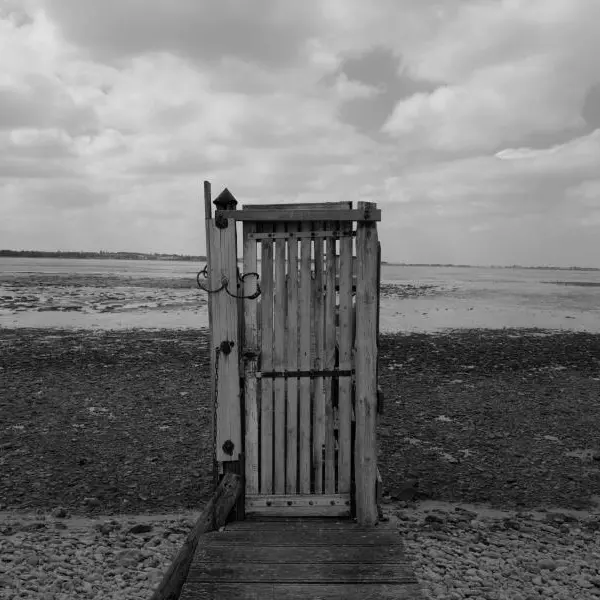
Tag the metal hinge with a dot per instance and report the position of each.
(311, 374)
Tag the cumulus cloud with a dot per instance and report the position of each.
(473, 123)
(265, 31)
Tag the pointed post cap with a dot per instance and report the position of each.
(225, 201)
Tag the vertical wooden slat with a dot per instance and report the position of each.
(251, 348)
(266, 408)
(304, 359)
(366, 364)
(279, 362)
(319, 392)
(329, 358)
(345, 360)
(291, 486)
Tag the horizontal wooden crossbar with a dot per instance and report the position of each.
(278, 235)
(332, 505)
(300, 206)
(283, 215)
(311, 374)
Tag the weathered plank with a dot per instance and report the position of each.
(331, 505)
(318, 431)
(282, 215)
(251, 349)
(366, 368)
(211, 341)
(266, 407)
(223, 266)
(327, 572)
(329, 359)
(213, 516)
(334, 233)
(345, 363)
(223, 552)
(291, 591)
(291, 525)
(324, 537)
(304, 362)
(279, 406)
(300, 206)
(291, 472)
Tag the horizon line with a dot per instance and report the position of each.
(91, 254)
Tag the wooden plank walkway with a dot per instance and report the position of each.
(301, 559)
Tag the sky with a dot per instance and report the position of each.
(473, 124)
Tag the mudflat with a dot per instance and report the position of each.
(119, 421)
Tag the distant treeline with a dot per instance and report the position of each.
(101, 254)
(158, 256)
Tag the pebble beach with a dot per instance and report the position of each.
(457, 553)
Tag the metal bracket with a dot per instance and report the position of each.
(228, 447)
(311, 374)
(250, 354)
(226, 347)
(220, 221)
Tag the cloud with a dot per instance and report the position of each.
(472, 123)
(513, 70)
(263, 31)
(43, 104)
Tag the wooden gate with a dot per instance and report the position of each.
(294, 334)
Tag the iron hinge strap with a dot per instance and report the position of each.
(311, 374)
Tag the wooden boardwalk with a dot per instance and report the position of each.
(305, 559)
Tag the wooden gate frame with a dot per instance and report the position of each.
(226, 334)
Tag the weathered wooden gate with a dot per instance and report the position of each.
(294, 354)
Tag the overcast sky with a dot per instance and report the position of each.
(474, 124)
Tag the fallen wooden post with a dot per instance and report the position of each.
(212, 517)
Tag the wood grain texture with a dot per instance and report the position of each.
(266, 385)
(316, 572)
(224, 309)
(302, 559)
(366, 370)
(250, 343)
(329, 359)
(288, 591)
(345, 363)
(291, 470)
(287, 214)
(297, 234)
(267, 537)
(279, 404)
(318, 429)
(208, 227)
(222, 552)
(304, 363)
(213, 516)
(300, 206)
(299, 505)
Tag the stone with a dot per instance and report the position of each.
(60, 513)
(92, 502)
(129, 558)
(547, 563)
(141, 528)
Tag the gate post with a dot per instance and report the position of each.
(221, 242)
(366, 370)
